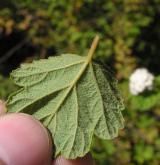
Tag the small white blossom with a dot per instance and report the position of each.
(140, 80)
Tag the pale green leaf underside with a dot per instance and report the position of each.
(73, 97)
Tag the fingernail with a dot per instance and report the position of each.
(2, 108)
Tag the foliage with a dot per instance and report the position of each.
(130, 36)
(6, 86)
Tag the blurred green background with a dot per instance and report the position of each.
(130, 38)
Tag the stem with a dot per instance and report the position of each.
(12, 51)
(93, 48)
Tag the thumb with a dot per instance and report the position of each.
(23, 140)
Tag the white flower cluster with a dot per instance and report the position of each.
(140, 80)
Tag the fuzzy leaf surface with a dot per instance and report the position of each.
(73, 97)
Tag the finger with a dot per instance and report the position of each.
(23, 141)
(87, 160)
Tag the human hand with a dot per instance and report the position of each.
(24, 141)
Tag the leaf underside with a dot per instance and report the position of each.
(73, 97)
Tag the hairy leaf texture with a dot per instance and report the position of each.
(73, 97)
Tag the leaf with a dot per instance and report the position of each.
(73, 97)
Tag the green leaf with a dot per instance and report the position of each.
(73, 97)
(145, 102)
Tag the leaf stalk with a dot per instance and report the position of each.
(93, 48)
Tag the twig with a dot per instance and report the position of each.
(12, 51)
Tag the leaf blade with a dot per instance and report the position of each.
(71, 102)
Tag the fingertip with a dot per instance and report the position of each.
(86, 160)
(23, 140)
